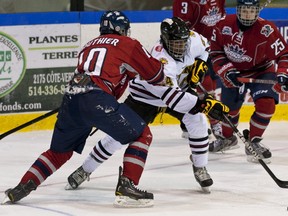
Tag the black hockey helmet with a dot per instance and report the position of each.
(114, 22)
(248, 11)
(174, 36)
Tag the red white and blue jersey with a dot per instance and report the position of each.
(113, 60)
(252, 51)
(201, 14)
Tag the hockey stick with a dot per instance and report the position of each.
(265, 4)
(252, 80)
(280, 183)
(28, 123)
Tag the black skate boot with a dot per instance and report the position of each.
(19, 192)
(128, 195)
(224, 144)
(263, 152)
(77, 178)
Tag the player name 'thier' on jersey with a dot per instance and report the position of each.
(113, 60)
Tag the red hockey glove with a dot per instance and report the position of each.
(229, 75)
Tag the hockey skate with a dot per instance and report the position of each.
(77, 178)
(129, 196)
(202, 177)
(19, 192)
(217, 130)
(259, 148)
(224, 144)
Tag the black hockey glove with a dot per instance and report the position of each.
(283, 81)
(231, 76)
(211, 107)
(196, 72)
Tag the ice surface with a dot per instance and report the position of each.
(240, 188)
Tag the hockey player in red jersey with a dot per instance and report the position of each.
(245, 45)
(105, 66)
(202, 16)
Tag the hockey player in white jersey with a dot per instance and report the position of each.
(183, 54)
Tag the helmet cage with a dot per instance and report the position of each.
(174, 36)
(247, 14)
(177, 48)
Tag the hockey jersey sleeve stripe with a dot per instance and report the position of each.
(141, 90)
(177, 100)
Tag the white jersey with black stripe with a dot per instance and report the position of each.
(173, 69)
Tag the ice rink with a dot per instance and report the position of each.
(239, 188)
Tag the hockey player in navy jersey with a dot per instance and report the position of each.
(105, 66)
(245, 45)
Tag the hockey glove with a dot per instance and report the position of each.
(211, 107)
(231, 78)
(283, 81)
(229, 75)
(196, 72)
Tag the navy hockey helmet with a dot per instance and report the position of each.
(114, 22)
(247, 11)
(174, 36)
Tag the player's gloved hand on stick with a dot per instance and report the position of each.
(231, 79)
(196, 72)
(211, 107)
(229, 75)
(282, 79)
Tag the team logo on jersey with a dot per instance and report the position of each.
(192, 34)
(267, 30)
(203, 2)
(158, 48)
(238, 37)
(213, 16)
(236, 54)
(227, 30)
(12, 64)
(163, 61)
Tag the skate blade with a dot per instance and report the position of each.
(206, 190)
(6, 201)
(252, 159)
(126, 202)
(69, 187)
(230, 147)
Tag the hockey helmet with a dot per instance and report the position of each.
(247, 11)
(114, 22)
(174, 36)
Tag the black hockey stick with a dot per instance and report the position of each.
(280, 183)
(29, 123)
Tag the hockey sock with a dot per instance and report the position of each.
(47, 163)
(264, 110)
(234, 117)
(101, 152)
(135, 156)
